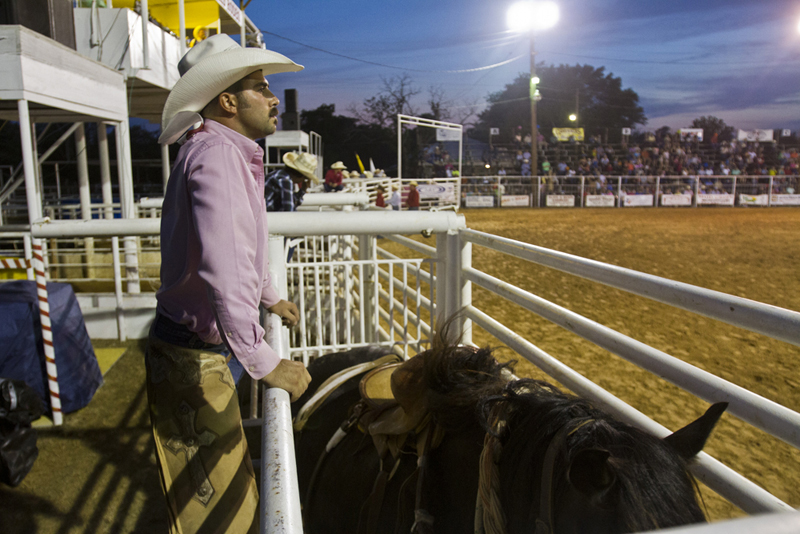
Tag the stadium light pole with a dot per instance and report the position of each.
(532, 16)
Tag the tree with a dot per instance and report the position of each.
(598, 98)
(393, 99)
(712, 125)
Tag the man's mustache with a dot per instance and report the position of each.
(273, 112)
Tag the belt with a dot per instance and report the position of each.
(178, 334)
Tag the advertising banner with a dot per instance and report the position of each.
(480, 201)
(785, 200)
(599, 201)
(691, 133)
(561, 201)
(444, 134)
(440, 192)
(564, 134)
(515, 200)
(637, 200)
(676, 200)
(753, 200)
(754, 135)
(725, 199)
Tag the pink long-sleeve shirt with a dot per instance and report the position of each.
(214, 242)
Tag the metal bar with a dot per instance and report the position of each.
(361, 315)
(280, 223)
(728, 483)
(121, 334)
(769, 320)
(318, 296)
(762, 413)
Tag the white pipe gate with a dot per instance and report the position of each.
(351, 292)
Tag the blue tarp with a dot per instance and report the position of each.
(22, 351)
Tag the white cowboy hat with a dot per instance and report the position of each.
(413, 182)
(302, 162)
(345, 174)
(368, 175)
(207, 69)
(338, 165)
(354, 174)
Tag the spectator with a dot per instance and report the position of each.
(333, 178)
(395, 200)
(412, 199)
(379, 201)
(284, 188)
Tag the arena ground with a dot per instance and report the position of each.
(97, 472)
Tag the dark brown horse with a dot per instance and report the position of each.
(542, 461)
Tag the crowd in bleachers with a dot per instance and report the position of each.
(665, 156)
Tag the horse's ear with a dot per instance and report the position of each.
(690, 439)
(590, 473)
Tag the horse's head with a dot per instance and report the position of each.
(566, 467)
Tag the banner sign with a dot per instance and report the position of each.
(637, 200)
(754, 135)
(440, 192)
(232, 9)
(786, 200)
(676, 200)
(753, 200)
(626, 131)
(564, 134)
(691, 133)
(725, 199)
(561, 201)
(494, 131)
(515, 200)
(444, 134)
(480, 201)
(786, 133)
(599, 201)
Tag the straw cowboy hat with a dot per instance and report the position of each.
(302, 162)
(345, 174)
(368, 175)
(338, 165)
(208, 69)
(413, 182)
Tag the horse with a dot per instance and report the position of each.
(500, 455)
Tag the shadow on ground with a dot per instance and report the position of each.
(97, 472)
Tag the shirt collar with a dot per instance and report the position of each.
(249, 148)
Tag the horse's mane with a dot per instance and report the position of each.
(457, 378)
(654, 488)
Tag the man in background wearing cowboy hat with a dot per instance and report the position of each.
(284, 188)
(333, 178)
(214, 275)
(412, 199)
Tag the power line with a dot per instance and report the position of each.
(477, 69)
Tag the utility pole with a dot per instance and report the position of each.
(534, 129)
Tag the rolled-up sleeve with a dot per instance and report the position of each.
(228, 231)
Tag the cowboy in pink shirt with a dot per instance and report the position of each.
(214, 275)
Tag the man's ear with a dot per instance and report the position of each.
(228, 102)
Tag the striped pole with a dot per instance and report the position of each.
(13, 263)
(47, 331)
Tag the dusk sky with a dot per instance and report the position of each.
(736, 59)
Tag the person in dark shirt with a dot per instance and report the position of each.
(284, 188)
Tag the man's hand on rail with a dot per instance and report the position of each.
(291, 376)
(287, 311)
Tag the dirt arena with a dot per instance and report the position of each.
(751, 253)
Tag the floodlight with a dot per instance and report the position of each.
(573, 117)
(532, 16)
